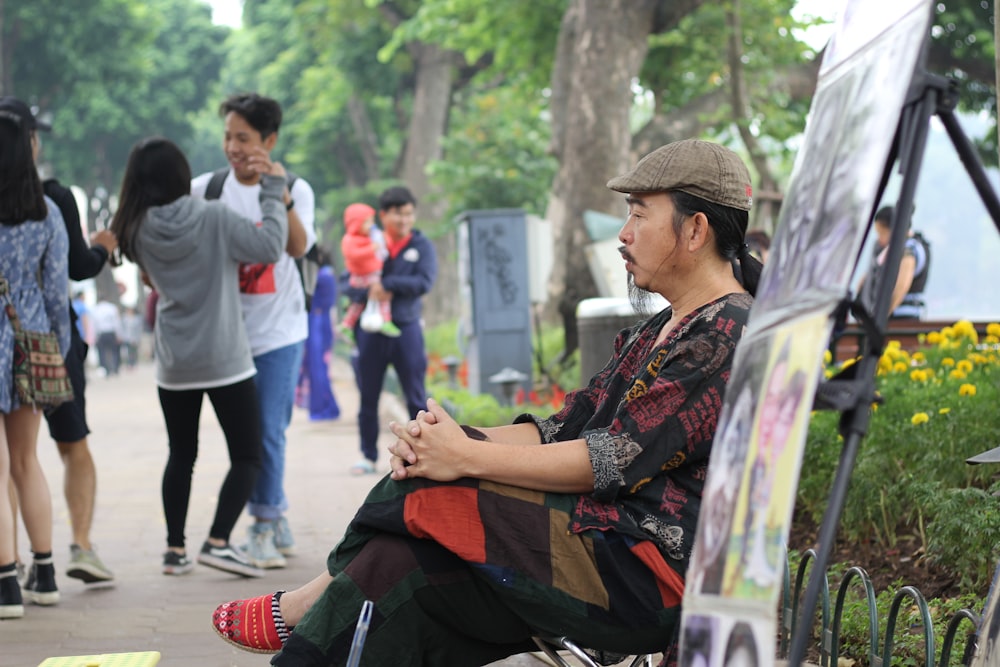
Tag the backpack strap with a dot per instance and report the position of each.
(214, 188)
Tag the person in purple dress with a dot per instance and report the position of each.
(314, 389)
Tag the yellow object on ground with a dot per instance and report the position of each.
(143, 659)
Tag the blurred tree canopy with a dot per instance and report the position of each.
(473, 105)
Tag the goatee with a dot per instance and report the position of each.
(641, 300)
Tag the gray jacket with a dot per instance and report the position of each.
(191, 249)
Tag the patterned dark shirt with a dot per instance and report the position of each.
(649, 418)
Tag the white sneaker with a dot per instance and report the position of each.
(260, 548)
(283, 539)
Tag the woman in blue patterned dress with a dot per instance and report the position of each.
(34, 262)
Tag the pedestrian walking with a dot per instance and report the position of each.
(190, 251)
(274, 309)
(34, 282)
(67, 423)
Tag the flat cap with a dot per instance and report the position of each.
(700, 168)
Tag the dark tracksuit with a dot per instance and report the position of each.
(409, 276)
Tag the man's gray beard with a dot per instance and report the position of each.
(641, 300)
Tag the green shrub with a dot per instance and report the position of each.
(908, 643)
(910, 478)
(550, 379)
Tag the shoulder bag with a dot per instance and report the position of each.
(40, 377)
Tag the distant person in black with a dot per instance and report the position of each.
(908, 291)
(68, 422)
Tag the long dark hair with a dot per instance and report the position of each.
(157, 173)
(730, 225)
(21, 194)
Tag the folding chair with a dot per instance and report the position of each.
(550, 645)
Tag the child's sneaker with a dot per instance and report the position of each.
(390, 330)
(228, 559)
(11, 602)
(176, 564)
(40, 586)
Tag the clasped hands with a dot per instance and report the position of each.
(432, 445)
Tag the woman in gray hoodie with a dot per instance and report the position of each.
(190, 251)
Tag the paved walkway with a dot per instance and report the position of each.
(145, 610)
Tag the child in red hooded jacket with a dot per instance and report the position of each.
(363, 256)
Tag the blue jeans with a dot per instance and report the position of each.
(277, 375)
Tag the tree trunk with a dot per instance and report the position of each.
(602, 44)
(365, 137)
(767, 199)
(435, 71)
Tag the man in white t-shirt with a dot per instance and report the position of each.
(274, 310)
(108, 332)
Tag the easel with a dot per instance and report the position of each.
(853, 392)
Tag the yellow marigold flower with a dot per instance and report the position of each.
(993, 329)
(920, 418)
(827, 357)
(957, 375)
(919, 357)
(828, 374)
(964, 329)
(948, 361)
(933, 337)
(964, 365)
(944, 411)
(892, 345)
(992, 340)
(967, 390)
(918, 375)
(884, 365)
(948, 332)
(900, 367)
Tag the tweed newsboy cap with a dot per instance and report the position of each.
(700, 168)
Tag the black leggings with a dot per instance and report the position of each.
(238, 413)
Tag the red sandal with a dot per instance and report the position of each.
(253, 625)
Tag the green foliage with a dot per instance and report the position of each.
(111, 72)
(495, 154)
(514, 36)
(549, 379)
(474, 410)
(910, 477)
(908, 638)
(691, 61)
(964, 29)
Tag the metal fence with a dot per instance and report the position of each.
(831, 620)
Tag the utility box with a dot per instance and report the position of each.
(495, 322)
